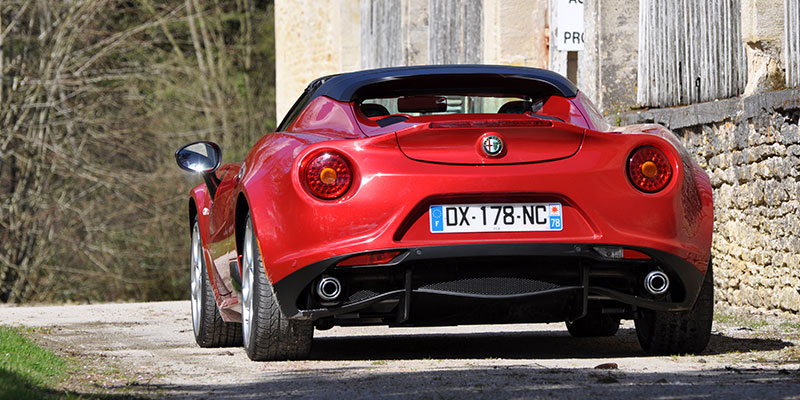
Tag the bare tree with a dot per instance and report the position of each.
(94, 97)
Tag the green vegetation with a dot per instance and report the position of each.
(96, 96)
(740, 320)
(789, 326)
(724, 318)
(28, 371)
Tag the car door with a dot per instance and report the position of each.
(222, 227)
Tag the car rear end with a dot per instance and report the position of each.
(425, 222)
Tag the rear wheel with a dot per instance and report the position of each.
(593, 325)
(268, 334)
(679, 332)
(209, 328)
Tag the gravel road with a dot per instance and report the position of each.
(753, 357)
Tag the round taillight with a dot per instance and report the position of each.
(328, 175)
(649, 169)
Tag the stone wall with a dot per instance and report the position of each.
(313, 38)
(762, 35)
(512, 37)
(607, 67)
(750, 148)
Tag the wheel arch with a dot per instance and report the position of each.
(199, 207)
(192, 214)
(242, 210)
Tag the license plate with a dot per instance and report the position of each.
(517, 217)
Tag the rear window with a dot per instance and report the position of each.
(440, 104)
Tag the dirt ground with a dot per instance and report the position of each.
(151, 346)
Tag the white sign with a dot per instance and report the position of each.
(569, 27)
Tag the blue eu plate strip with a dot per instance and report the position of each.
(437, 224)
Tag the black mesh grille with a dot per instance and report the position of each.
(491, 286)
(361, 295)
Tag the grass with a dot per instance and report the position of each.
(789, 326)
(28, 371)
(740, 320)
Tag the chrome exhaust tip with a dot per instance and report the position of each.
(656, 282)
(329, 288)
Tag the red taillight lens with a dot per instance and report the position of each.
(328, 175)
(649, 169)
(378, 257)
(634, 255)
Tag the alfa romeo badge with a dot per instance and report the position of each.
(492, 145)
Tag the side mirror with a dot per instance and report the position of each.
(204, 158)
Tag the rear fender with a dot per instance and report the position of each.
(266, 182)
(696, 202)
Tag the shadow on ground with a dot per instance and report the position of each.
(519, 381)
(15, 386)
(421, 366)
(511, 345)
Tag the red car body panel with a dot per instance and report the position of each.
(541, 141)
(401, 169)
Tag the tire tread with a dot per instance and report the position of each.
(214, 331)
(274, 336)
(680, 332)
(217, 332)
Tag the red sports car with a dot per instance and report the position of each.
(445, 195)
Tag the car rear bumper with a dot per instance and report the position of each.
(487, 283)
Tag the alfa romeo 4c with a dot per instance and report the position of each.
(446, 195)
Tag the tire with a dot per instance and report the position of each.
(209, 328)
(594, 325)
(268, 334)
(679, 332)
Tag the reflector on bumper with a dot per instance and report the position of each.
(374, 258)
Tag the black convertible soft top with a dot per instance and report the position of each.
(382, 82)
(344, 87)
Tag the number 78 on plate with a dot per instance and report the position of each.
(496, 217)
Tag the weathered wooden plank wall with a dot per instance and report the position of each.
(792, 41)
(690, 51)
(455, 33)
(381, 38)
